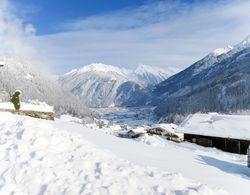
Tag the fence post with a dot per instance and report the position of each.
(248, 157)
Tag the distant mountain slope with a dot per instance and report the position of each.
(219, 82)
(22, 75)
(150, 76)
(101, 85)
(95, 84)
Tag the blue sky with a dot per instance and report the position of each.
(47, 15)
(63, 35)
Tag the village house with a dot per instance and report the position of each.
(229, 133)
(135, 133)
(167, 131)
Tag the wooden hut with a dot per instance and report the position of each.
(229, 133)
(132, 134)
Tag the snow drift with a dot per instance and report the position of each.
(41, 157)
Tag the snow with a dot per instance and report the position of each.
(220, 51)
(217, 125)
(101, 85)
(28, 76)
(147, 69)
(60, 157)
(69, 118)
(151, 75)
(2, 63)
(245, 43)
(142, 69)
(99, 67)
(169, 128)
(34, 105)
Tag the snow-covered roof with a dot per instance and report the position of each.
(168, 127)
(217, 125)
(139, 130)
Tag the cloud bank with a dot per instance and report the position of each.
(15, 36)
(162, 33)
(167, 33)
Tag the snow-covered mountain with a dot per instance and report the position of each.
(95, 84)
(101, 85)
(22, 75)
(218, 82)
(149, 76)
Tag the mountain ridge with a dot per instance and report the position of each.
(103, 85)
(216, 83)
(36, 85)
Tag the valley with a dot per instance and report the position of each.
(136, 116)
(134, 97)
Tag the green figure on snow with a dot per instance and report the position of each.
(15, 99)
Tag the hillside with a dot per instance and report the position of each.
(51, 157)
(101, 85)
(219, 82)
(35, 85)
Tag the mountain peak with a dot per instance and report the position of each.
(246, 41)
(151, 75)
(99, 67)
(142, 68)
(220, 51)
(145, 69)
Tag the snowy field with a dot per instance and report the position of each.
(64, 157)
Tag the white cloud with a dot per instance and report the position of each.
(15, 36)
(167, 33)
(163, 34)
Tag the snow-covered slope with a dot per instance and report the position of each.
(34, 105)
(60, 157)
(101, 85)
(35, 85)
(99, 67)
(95, 84)
(220, 82)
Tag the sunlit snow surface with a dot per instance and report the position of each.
(218, 125)
(64, 157)
(31, 105)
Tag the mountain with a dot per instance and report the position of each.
(149, 76)
(219, 82)
(95, 84)
(35, 85)
(131, 94)
(100, 85)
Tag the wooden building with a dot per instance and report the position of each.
(130, 134)
(167, 131)
(229, 133)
